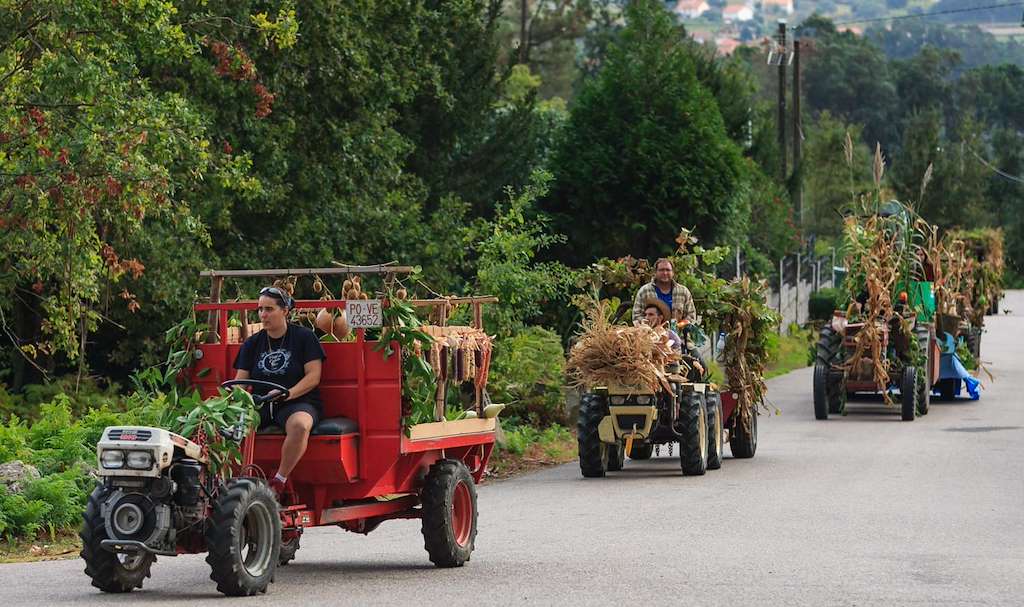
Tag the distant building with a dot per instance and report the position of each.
(778, 6)
(853, 29)
(691, 9)
(737, 12)
(726, 46)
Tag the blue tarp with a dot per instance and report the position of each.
(950, 367)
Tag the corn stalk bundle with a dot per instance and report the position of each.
(984, 252)
(875, 253)
(613, 354)
(744, 315)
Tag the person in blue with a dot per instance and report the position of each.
(289, 355)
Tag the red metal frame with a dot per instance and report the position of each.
(339, 476)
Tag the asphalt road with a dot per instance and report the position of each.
(859, 510)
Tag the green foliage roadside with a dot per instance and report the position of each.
(789, 352)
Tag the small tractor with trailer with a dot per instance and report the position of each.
(616, 420)
(364, 465)
(885, 339)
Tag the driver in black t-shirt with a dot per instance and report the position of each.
(289, 355)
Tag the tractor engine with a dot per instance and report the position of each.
(155, 480)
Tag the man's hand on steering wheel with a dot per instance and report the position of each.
(277, 393)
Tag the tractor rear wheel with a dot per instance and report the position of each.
(244, 538)
(616, 456)
(641, 451)
(110, 572)
(449, 513)
(693, 425)
(820, 390)
(743, 440)
(593, 453)
(909, 391)
(716, 430)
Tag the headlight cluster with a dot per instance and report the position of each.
(113, 459)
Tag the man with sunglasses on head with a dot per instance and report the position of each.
(289, 355)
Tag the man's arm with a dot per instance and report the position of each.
(638, 304)
(688, 310)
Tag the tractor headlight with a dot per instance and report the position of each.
(643, 400)
(140, 460)
(618, 400)
(112, 459)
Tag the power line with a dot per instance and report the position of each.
(996, 170)
(945, 12)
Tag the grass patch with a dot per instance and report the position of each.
(525, 448)
(789, 351)
(63, 546)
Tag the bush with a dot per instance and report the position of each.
(519, 438)
(823, 303)
(528, 373)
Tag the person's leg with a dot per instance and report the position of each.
(297, 429)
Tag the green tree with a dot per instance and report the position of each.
(645, 150)
(92, 156)
(831, 181)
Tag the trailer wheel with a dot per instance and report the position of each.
(616, 456)
(743, 440)
(924, 342)
(449, 513)
(592, 452)
(641, 451)
(244, 538)
(820, 390)
(693, 444)
(716, 430)
(110, 572)
(947, 389)
(909, 390)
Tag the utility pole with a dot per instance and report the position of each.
(798, 181)
(782, 99)
(524, 8)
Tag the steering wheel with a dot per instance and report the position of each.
(281, 395)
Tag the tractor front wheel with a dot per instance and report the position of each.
(449, 513)
(616, 456)
(288, 550)
(110, 572)
(716, 428)
(693, 444)
(909, 392)
(593, 453)
(244, 538)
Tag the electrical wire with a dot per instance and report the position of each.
(933, 14)
(996, 170)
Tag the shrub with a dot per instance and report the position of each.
(528, 373)
(20, 516)
(823, 303)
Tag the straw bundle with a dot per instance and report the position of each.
(611, 354)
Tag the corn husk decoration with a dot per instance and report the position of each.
(610, 354)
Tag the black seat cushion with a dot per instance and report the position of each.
(332, 426)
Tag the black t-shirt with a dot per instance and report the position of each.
(281, 360)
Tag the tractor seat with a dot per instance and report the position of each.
(330, 426)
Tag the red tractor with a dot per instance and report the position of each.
(362, 467)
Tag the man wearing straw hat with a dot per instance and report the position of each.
(655, 315)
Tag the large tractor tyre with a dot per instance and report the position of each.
(641, 451)
(829, 348)
(693, 425)
(821, 390)
(288, 550)
(923, 334)
(593, 453)
(449, 513)
(743, 440)
(616, 456)
(110, 572)
(716, 430)
(244, 538)
(910, 386)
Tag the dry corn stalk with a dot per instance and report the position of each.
(613, 354)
